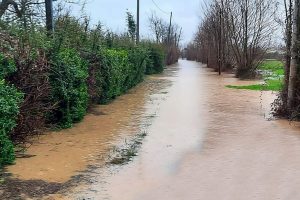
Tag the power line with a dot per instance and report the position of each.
(167, 13)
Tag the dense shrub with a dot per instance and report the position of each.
(9, 108)
(156, 60)
(7, 66)
(122, 70)
(69, 88)
(95, 78)
(115, 71)
(32, 79)
(138, 57)
(172, 55)
(70, 32)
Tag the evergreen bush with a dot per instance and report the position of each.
(69, 88)
(156, 60)
(138, 57)
(115, 71)
(10, 100)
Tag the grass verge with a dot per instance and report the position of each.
(272, 72)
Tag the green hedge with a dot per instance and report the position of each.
(69, 88)
(10, 99)
(115, 70)
(122, 70)
(138, 57)
(7, 66)
(95, 79)
(111, 72)
(156, 60)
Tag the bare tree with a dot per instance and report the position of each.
(236, 33)
(287, 23)
(167, 34)
(158, 27)
(250, 27)
(4, 5)
(211, 40)
(294, 57)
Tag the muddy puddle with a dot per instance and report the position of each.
(202, 141)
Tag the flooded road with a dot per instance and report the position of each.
(203, 141)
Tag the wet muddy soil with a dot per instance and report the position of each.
(59, 160)
(202, 141)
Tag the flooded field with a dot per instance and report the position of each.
(202, 141)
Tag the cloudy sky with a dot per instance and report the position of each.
(111, 13)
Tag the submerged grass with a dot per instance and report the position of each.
(272, 72)
(275, 66)
(124, 154)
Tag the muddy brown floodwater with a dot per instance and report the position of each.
(204, 141)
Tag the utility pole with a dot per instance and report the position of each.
(49, 16)
(169, 31)
(138, 22)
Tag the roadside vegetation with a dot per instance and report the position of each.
(236, 35)
(272, 73)
(50, 78)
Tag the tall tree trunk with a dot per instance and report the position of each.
(294, 57)
(288, 41)
(245, 50)
(220, 41)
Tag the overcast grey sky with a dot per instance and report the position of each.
(112, 14)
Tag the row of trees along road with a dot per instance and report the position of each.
(237, 34)
(234, 33)
(168, 34)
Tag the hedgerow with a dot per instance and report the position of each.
(122, 70)
(95, 78)
(156, 59)
(10, 100)
(115, 71)
(32, 79)
(53, 80)
(69, 88)
(138, 57)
